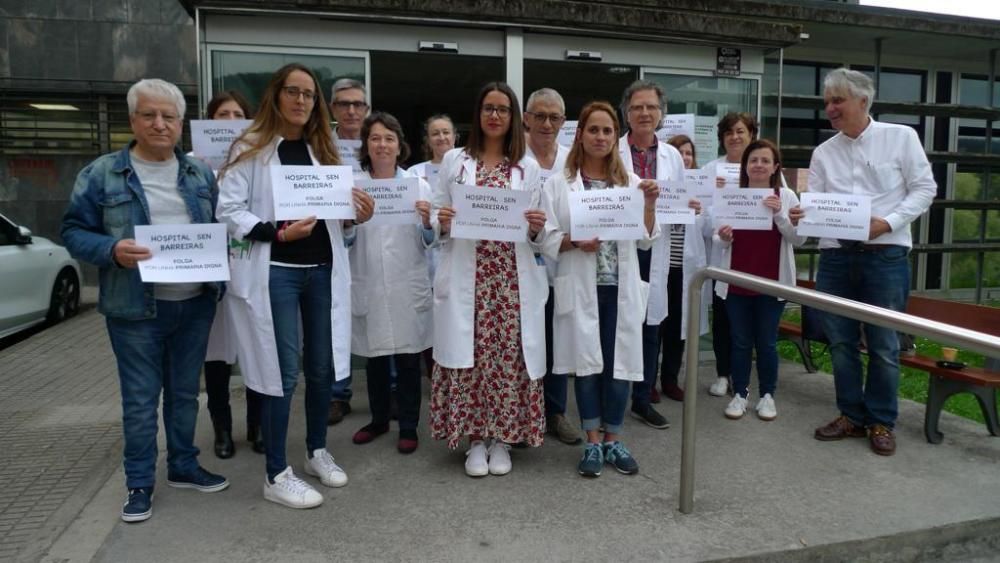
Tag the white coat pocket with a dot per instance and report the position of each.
(564, 295)
(423, 298)
(359, 298)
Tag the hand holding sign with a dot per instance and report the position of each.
(364, 205)
(128, 253)
(536, 221)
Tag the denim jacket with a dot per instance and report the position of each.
(107, 203)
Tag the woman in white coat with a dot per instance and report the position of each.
(600, 300)
(290, 271)
(754, 317)
(489, 299)
(221, 354)
(391, 291)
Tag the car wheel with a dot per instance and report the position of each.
(65, 300)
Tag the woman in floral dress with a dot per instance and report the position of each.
(489, 298)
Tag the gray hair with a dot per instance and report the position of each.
(155, 88)
(857, 84)
(546, 95)
(638, 86)
(347, 84)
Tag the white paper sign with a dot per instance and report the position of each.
(350, 154)
(729, 172)
(742, 208)
(611, 214)
(301, 191)
(840, 216)
(702, 183)
(184, 253)
(395, 200)
(567, 133)
(706, 141)
(672, 204)
(489, 214)
(676, 124)
(211, 138)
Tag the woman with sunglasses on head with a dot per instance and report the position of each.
(600, 298)
(489, 299)
(296, 270)
(221, 353)
(391, 291)
(754, 317)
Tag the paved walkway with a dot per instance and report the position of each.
(763, 489)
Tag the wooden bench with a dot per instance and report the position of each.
(983, 383)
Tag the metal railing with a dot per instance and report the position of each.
(967, 339)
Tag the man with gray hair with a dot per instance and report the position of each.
(887, 162)
(158, 331)
(544, 115)
(349, 107)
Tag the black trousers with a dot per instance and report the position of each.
(407, 389)
(721, 339)
(217, 388)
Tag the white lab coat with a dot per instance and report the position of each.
(246, 199)
(670, 166)
(558, 166)
(789, 239)
(576, 342)
(390, 288)
(433, 252)
(455, 282)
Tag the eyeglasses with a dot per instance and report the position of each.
(501, 111)
(357, 106)
(150, 117)
(293, 93)
(639, 108)
(553, 118)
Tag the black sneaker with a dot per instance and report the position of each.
(649, 415)
(199, 480)
(139, 505)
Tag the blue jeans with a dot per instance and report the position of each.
(754, 322)
(294, 291)
(165, 352)
(601, 397)
(878, 276)
(555, 384)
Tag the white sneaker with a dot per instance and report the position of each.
(475, 460)
(720, 387)
(736, 408)
(321, 465)
(499, 458)
(291, 491)
(766, 409)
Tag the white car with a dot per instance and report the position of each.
(39, 281)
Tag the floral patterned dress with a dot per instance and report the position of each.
(495, 398)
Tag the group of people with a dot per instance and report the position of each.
(508, 322)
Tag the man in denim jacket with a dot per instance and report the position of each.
(158, 331)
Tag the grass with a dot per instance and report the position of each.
(912, 382)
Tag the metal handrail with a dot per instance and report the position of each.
(986, 344)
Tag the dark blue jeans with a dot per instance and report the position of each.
(294, 291)
(161, 353)
(601, 397)
(555, 384)
(878, 276)
(754, 322)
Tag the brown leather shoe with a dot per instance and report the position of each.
(882, 440)
(338, 410)
(840, 428)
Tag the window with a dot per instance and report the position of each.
(248, 71)
(709, 98)
(972, 132)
